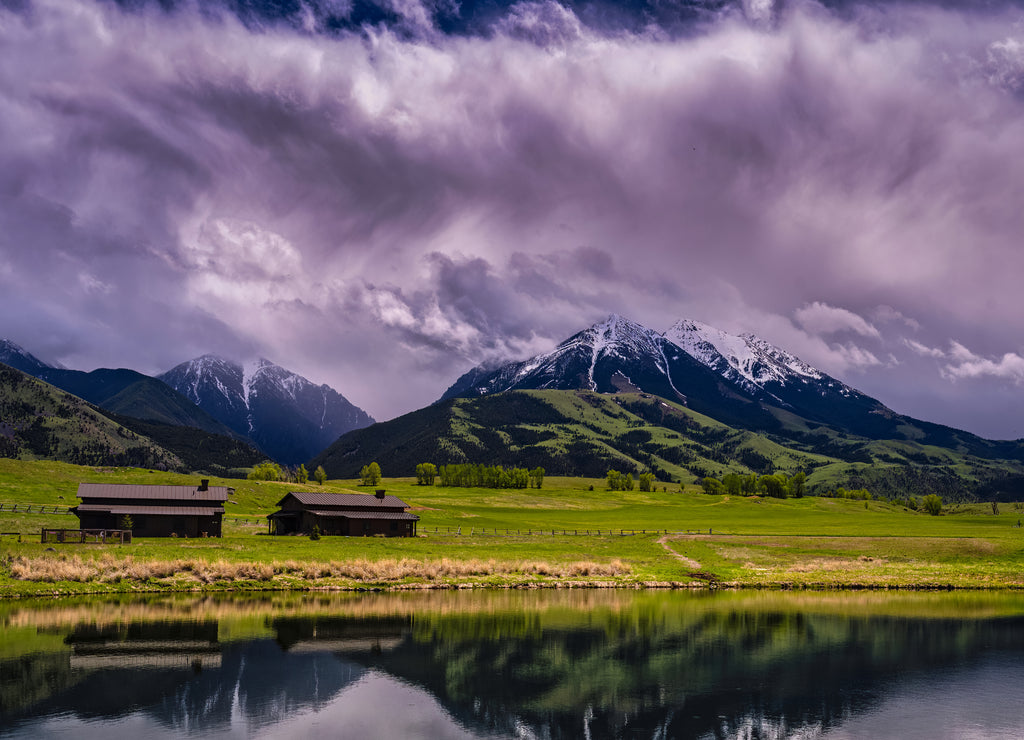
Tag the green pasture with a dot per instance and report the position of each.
(690, 538)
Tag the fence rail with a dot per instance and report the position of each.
(87, 536)
(503, 532)
(33, 508)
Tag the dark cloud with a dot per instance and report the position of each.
(380, 196)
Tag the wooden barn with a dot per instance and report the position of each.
(345, 514)
(154, 511)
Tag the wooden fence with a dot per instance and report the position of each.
(34, 509)
(87, 536)
(501, 532)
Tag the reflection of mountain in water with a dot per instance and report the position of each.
(175, 672)
(659, 668)
(724, 675)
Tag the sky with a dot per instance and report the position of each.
(380, 196)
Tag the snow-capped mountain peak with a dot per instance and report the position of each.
(288, 417)
(612, 354)
(736, 378)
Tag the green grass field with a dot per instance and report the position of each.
(481, 537)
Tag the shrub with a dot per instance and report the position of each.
(269, 471)
(932, 504)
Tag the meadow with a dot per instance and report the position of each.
(570, 533)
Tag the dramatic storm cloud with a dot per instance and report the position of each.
(382, 196)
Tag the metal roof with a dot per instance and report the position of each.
(164, 510)
(349, 500)
(335, 514)
(168, 493)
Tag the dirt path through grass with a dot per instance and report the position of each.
(688, 562)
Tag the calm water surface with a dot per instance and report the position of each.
(548, 664)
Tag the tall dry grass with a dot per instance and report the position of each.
(110, 569)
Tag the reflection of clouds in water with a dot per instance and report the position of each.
(984, 701)
(375, 706)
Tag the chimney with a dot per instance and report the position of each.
(204, 484)
(380, 493)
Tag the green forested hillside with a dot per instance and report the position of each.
(586, 433)
(38, 421)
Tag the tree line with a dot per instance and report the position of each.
(616, 481)
(485, 476)
(775, 485)
(271, 471)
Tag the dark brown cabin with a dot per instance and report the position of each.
(155, 511)
(345, 514)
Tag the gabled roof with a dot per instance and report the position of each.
(138, 492)
(347, 500)
(129, 508)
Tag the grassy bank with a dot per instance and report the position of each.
(570, 533)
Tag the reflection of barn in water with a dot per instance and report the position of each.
(342, 635)
(155, 645)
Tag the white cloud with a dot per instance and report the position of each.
(924, 350)
(821, 318)
(966, 364)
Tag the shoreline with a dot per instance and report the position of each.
(37, 589)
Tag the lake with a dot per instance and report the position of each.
(516, 664)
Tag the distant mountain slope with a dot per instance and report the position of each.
(199, 450)
(287, 416)
(131, 393)
(39, 421)
(588, 433)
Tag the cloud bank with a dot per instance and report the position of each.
(380, 201)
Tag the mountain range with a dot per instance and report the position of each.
(741, 380)
(690, 402)
(288, 418)
(685, 403)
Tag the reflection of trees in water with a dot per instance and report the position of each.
(658, 668)
(721, 674)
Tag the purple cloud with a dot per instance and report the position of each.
(841, 182)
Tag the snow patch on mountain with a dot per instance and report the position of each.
(745, 358)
